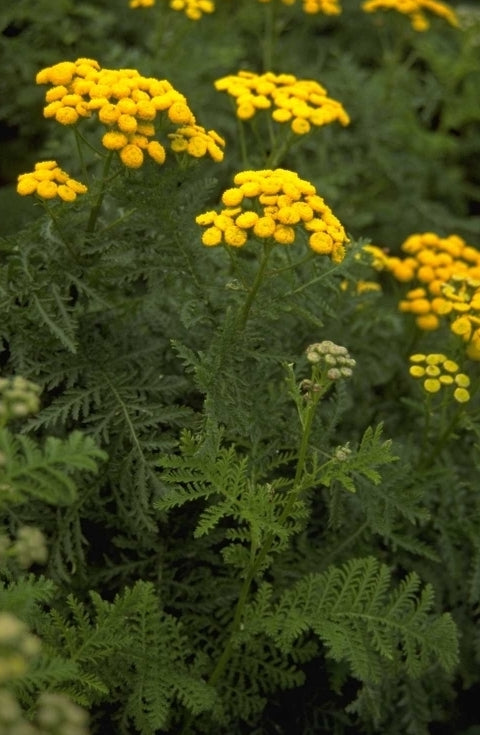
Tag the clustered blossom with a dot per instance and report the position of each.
(193, 9)
(17, 647)
(49, 181)
(327, 7)
(415, 9)
(335, 359)
(300, 102)
(272, 205)
(128, 104)
(445, 272)
(18, 398)
(437, 371)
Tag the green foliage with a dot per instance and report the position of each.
(201, 530)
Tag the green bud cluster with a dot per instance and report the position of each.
(17, 646)
(57, 715)
(334, 358)
(18, 398)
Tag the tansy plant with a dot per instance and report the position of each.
(205, 527)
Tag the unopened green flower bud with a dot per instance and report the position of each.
(11, 628)
(334, 374)
(10, 710)
(30, 547)
(343, 453)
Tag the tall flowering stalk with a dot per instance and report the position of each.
(329, 363)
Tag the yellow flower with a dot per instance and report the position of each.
(180, 114)
(114, 140)
(273, 205)
(48, 181)
(212, 236)
(434, 367)
(312, 7)
(131, 156)
(461, 395)
(287, 97)
(128, 104)
(26, 185)
(415, 10)
(156, 151)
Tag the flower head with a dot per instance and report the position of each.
(274, 205)
(48, 181)
(415, 9)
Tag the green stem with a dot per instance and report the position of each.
(59, 230)
(243, 143)
(267, 249)
(277, 154)
(78, 141)
(269, 36)
(95, 211)
(267, 546)
(327, 559)
(442, 440)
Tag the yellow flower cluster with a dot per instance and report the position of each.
(126, 102)
(49, 181)
(431, 262)
(462, 297)
(270, 205)
(415, 9)
(300, 102)
(193, 9)
(437, 371)
(196, 141)
(327, 7)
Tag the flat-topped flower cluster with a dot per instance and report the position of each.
(300, 102)
(273, 205)
(437, 371)
(312, 7)
(415, 9)
(445, 273)
(193, 9)
(48, 181)
(129, 105)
